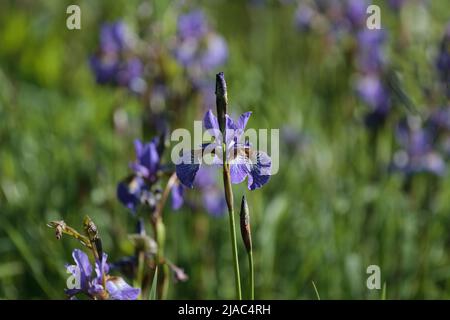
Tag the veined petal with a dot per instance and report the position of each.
(260, 167)
(239, 164)
(188, 167)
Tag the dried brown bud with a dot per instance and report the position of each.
(60, 227)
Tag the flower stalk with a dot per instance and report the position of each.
(221, 103)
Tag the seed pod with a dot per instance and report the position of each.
(245, 225)
(91, 231)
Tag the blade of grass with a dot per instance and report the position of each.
(152, 294)
(383, 292)
(316, 291)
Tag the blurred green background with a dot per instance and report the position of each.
(328, 213)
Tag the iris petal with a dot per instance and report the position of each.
(239, 165)
(84, 267)
(260, 166)
(210, 121)
(188, 167)
(118, 289)
(242, 121)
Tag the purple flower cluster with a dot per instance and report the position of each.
(114, 63)
(141, 186)
(243, 160)
(198, 48)
(98, 286)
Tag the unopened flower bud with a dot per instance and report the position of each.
(245, 225)
(221, 100)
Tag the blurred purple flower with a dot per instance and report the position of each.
(356, 13)
(177, 194)
(212, 197)
(443, 60)
(192, 25)
(113, 37)
(372, 92)
(115, 289)
(244, 161)
(304, 16)
(113, 64)
(137, 189)
(370, 56)
(417, 152)
(198, 47)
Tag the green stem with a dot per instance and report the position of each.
(140, 272)
(252, 275)
(229, 198)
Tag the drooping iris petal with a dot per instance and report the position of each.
(177, 196)
(118, 289)
(260, 167)
(188, 167)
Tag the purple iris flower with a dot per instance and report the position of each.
(147, 159)
(198, 47)
(130, 192)
(113, 64)
(136, 189)
(417, 152)
(115, 289)
(443, 60)
(244, 161)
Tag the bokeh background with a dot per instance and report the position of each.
(349, 193)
